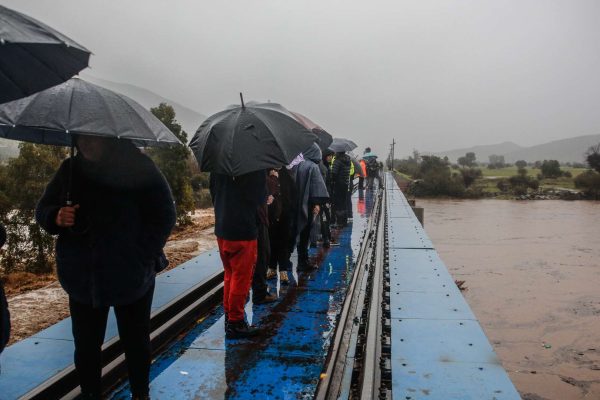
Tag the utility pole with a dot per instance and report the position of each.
(393, 148)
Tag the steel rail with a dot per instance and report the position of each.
(334, 379)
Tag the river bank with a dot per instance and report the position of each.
(532, 272)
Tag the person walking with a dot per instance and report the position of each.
(109, 249)
(281, 186)
(340, 178)
(236, 201)
(312, 194)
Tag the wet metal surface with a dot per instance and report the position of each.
(439, 350)
(285, 362)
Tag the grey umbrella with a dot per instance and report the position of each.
(34, 57)
(79, 107)
(340, 145)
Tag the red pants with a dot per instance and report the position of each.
(239, 258)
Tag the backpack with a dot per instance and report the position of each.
(372, 166)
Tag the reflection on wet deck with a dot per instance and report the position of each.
(286, 361)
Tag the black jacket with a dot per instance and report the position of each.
(111, 256)
(236, 201)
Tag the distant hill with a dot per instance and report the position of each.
(189, 119)
(482, 152)
(564, 150)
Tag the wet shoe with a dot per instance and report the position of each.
(269, 298)
(271, 274)
(240, 330)
(283, 278)
(313, 245)
(334, 243)
(326, 244)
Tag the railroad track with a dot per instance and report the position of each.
(358, 364)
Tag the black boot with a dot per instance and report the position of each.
(240, 330)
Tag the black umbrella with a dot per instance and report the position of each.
(82, 108)
(34, 57)
(324, 139)
(340, 145)
(249, 138)
(79, 107)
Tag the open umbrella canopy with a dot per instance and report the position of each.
(80, 107)
(34, 57)
(249, 138)
(324, 139)
(340, 145)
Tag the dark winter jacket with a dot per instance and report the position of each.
(340, 170)
(236, 201)
(274, 189)
(111, 256)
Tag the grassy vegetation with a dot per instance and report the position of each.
(533, 172)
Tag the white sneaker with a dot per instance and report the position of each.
(283, 278)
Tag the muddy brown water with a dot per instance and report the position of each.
(532, 269)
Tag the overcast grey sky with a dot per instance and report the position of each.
(434, 75)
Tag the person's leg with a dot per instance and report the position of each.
(242, 261)
(259, 279)
(315, 231)
(349, 213)
(226, 275)
(361, 182)
(302, 249)
(133, 321)
(89, 326)
(325, 226)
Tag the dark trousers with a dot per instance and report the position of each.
(361, 181)
(89, 327)
(349, 204)
(259, 279)
(325, 219)
(279, 238)
(340, 203)
(303, 239)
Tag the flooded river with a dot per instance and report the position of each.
(532, 269)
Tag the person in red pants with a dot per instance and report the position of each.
(236, 201)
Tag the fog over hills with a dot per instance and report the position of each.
(189, 119)
(564, 150)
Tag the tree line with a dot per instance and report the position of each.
(24, 178)
(437, 176)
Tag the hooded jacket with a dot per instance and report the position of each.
(111, 255)
(310, 186)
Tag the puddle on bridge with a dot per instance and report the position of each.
(287, 359)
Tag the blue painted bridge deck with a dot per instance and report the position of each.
(439, 350)
(32, 361)
(286, 361)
